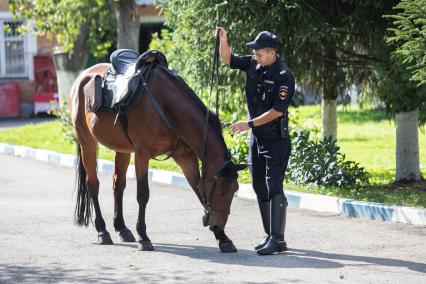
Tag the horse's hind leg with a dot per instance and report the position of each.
(122, 161)
(141, 165)
(88, 158)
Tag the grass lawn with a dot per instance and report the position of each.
(365, 136)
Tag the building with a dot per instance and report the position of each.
(25, 60)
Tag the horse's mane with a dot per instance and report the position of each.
(213, 119)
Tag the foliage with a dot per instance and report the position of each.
(320, 163)
(238, 146)
(321, 43)
(64, 117)
(409, 33)
(64, 20)
(392, 79)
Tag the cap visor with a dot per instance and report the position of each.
(253, 45)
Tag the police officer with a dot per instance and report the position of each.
(269, 89)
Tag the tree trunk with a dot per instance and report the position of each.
(329, 96)
(329, 119)
(127, 24)
(68, 65)
(407, 146)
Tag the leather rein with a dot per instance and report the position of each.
(206, 200)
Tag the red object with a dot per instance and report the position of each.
(46, 88)
(45, 97)
(10, 105)
(45, 74)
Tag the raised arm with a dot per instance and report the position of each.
(224, 50)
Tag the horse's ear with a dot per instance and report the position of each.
(231, 169)
(240, 167)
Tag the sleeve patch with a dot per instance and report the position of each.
(283, 92)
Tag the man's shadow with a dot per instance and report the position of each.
(293, 258)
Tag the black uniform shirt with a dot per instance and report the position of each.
(266, 88)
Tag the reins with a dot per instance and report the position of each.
(214, 79)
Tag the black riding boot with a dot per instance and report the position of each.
(278, 219)
(265, 214)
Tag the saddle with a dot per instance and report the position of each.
(120, 89)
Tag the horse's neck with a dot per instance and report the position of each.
(188, 119)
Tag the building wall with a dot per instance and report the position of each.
(33, 46)
(3, 5)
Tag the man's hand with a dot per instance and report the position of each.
(222, 34)
(239, 127)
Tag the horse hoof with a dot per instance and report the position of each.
(227, 247)
(145, 246)
(104, 239)
(126, 236)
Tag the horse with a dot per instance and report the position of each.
(148, 137)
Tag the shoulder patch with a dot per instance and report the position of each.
(283, 92)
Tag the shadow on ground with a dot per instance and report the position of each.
(294, 258)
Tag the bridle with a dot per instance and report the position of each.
(206, 199)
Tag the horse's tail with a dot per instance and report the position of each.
(83, 206)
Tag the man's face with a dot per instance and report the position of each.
(265, 56)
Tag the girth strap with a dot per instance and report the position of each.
(124, 124)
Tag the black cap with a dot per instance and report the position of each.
(264, 39)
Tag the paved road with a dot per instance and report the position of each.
(6, 123)
(39, 243)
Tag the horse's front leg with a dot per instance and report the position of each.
(141, 165)
(121, 164)
(225, 243)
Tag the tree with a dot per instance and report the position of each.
(409, 36)
(79, 28)
(321, 43)
(127, 24)
(407, 40)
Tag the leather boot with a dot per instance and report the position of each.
(278, 219)
(265, 214)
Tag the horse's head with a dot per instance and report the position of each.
(219, 192)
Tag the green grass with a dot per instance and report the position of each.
(365, 136)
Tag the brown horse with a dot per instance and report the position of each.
(149, 138)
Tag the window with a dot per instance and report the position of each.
(12, 50)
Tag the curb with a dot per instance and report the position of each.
(314, 202)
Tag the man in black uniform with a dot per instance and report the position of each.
(269, 89)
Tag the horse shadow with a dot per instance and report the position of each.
(293, 258)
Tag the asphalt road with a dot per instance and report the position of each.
(40, 244)
(6, 123)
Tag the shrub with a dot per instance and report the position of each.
(64, 116)
(320, 163)
(237, 145)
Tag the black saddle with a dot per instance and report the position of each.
(127, 62)
(122, 81)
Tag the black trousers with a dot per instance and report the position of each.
(268, 158)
